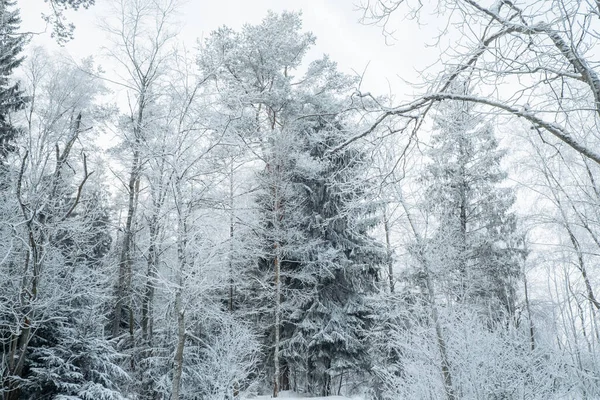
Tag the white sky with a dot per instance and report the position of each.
(334, 22)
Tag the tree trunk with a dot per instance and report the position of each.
(180, 312)
(124, 283)
(16, 363)
(147, 321)
(390, 263)
(285, 376)
(528, 307)
(462, 262)
(151, 276)
(231, 237)
(133, 186)
(277, 322)
(326, 389)
(446, 373)
(178, 367)
(278, 215)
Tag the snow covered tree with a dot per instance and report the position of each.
(141, 37)
(253, 73)
(339, 266)
(12, 97)
(69, 355)
(281, 240)
(290, 123)
(53, 281)
(476, 243)
(541, 50)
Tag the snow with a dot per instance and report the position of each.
(290, 395)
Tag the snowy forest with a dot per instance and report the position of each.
(241, 219)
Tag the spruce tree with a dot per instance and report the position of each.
(11, 96)
(476, 242)
(69, 357)
(339, 265)
(314, 262)
(316, 215)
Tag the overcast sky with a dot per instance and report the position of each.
(334, 22)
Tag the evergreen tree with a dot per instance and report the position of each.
(476, 242)
(315, 218)
(11, 96)
(315, 262)
(281, 240)
(338, 266)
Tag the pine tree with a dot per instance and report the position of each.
(476, 242)
(11, 96)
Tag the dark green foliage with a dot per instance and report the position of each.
(340, 269)
(329, 264)
(11, 96)
(68, 355)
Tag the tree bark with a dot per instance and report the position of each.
(153, 259)
(180, 312)
(528, 307)
(445, 364)
(277, 321)
(231, 237)
(462, 261)
(178, 364)
(124, 282)
(388, 245)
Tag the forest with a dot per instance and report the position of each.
(244, 219)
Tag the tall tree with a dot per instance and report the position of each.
(476, 241)
(141, 45)
(289, 123)
(338, 267)
(12, 97)
(253, 75)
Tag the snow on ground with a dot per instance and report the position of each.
(289, 395)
